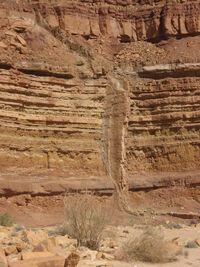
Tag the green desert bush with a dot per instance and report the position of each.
(6, 220)
(150, 246)
(85, 220)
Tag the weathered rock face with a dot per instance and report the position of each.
(50, 113)
(128, 20)
(163, 126)
(56, 62)
(49, 121)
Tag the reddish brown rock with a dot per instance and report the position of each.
(56, 61)
(72, 260)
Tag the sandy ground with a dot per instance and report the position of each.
(193, 259)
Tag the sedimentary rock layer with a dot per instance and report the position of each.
(164, 123)
(126, 20)
(47, 121)
(56, 61)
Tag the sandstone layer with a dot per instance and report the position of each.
(57, 60)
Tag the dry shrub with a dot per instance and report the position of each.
(85, 220)
(150, 246)
(6, 220)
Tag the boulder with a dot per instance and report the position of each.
(72, 260)
(34, 238)
(20, 245)
(10, 250)
(49, 245)
(3, 260)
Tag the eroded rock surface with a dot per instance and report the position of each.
(57, 59)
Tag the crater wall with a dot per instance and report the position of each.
(56, 62)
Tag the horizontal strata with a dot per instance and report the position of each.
(127, 20)
(171, 70)
(49, 118)
(51, 121)
(164, 124)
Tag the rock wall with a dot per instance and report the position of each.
(164, 122)
(56, 60)
(126, 20)
(50, 103)
(49, 121)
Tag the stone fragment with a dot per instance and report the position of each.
(10, 33)
(198, 242)
(105, 256)
(34, 238)
(64, 241)
(21, 40)
(10, 250)
(3, 45)
(3, 260)
(35, 255)
(20, 245)
(72, 260)
(49, 245)
(88, 254)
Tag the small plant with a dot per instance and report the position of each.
(191, 244)
(6, 220)
(85, 220)
(150, 246)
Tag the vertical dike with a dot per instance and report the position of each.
(117, 109)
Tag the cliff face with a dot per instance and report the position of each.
(51, 105)
(128, 20)
(57, 59)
